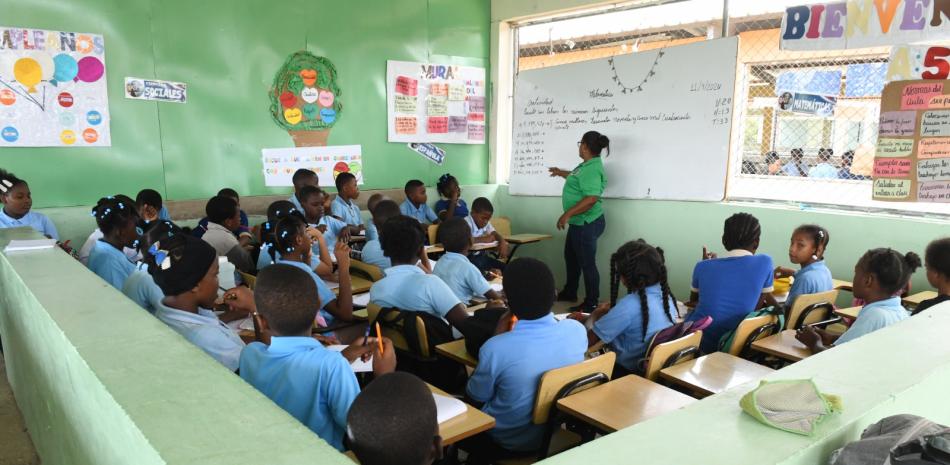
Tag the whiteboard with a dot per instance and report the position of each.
(433, 102)
(667, 112)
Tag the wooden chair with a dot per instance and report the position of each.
(810, 308)
(370, 272)
(751, 330)
(502, 225)
(248, 279)
(395, 335)
(559, 383)
(673, 352)
(433, 232)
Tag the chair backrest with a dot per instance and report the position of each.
(751, 330)
(248, 279)
(671, 353)
(370, 272)
(396, 335)
(815, 314)
(433, 232)
(553, 381)
(502, 225)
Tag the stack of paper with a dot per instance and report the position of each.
(358, 366)
(447, 407)
(32, 244)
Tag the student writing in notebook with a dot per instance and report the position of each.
(313, 384)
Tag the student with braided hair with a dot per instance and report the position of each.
(117, 218)
(451, 204)
(727, 288)
(140, 287)
(294, 241)
(17, 207)
(807, 249)
(269, 254)
(186, 269)
(879, 276)
(627, 325)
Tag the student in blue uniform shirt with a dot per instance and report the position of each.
(451, 203)
(727, 288)
(807, 249)
(320, 261)
(796, 166)
(295, 244)
(408, 287)
(464, 278)
(628, 325)
(148, 202)
(511, 363)
(373, 250)
(824, 169)
(312, 199)
(313, 384)
(186, 269)
(344, 206)
(116, 217)
(140, 287)
(17, 207)
(879, 277)
(302, 178)
(372, 233)
(416, 205)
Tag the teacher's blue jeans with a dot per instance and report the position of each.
(580, 255)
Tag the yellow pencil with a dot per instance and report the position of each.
(379, 339)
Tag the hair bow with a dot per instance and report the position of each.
(161, 256)
(5, 185)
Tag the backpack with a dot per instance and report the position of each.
(437, 371)
(672, 333)
(480, 327)
(898, 440)
(725, 342)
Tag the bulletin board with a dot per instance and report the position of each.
(912, 160)
(432, 102)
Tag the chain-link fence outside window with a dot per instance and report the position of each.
(805, 123)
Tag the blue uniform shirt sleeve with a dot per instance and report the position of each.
(767, 271)
(481, 386)
(341, 392)
(49, 228)
(430, 215)
(476, 282)
(617, 321)
(441, 296)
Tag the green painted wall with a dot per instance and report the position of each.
(227, 52)
(683, 228)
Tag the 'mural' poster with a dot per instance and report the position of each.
(52, 89)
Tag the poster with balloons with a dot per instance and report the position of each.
(52, 89)
(327, 162)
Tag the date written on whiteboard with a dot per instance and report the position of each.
(705, 86)
(722, 111)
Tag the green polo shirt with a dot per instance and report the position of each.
(586, 180)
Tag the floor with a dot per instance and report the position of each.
(16, 448)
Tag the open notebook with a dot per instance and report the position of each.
(32, 244)
(448, 407)
(358, 366)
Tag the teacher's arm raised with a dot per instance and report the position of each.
(580, 207)
(558, 173)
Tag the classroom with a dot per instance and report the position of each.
(474, 231)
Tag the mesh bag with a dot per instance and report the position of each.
(795, 406)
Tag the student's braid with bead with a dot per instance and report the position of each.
(286, 233)
(641, 266)
(276, 212)
(113, 211)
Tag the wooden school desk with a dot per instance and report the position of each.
(468, 424)
(783, 345)
(434, 249)
(358, 285)
(455, 351)
(842, 285)
(714, 373)
(850, 312)
(912, 301)
(521, 239)
(622, 402)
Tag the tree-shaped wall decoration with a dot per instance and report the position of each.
(305, 98)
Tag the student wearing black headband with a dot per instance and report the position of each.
(186, 269)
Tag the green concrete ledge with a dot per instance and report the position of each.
(100, 381)
(901, 369)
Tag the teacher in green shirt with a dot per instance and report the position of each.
(584, 218)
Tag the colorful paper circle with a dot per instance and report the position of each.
(68, 137)
(90, 135)
(84, 44)
(90, 69)
(292, 115)
(94, 117)
(328, 115)
(7, 97)
(10, 134)
(67, 119)
(66, 68)
(65, 99)
(309, 94)
(326, 98)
